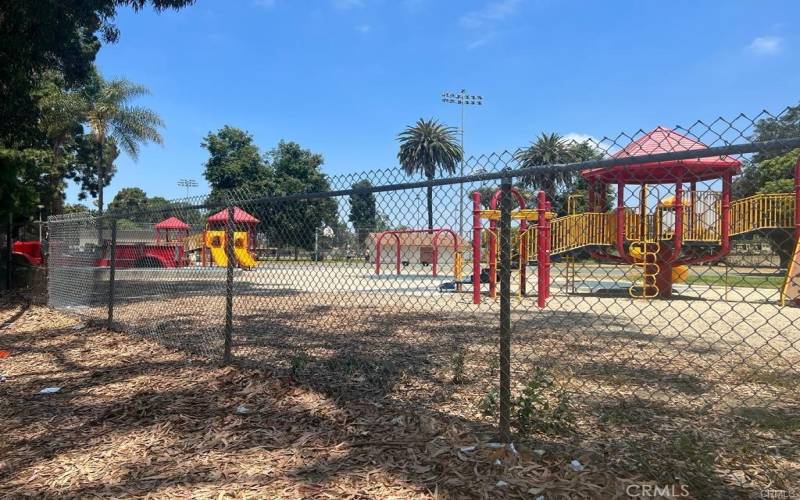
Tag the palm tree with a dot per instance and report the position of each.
(428, 147)
(111, 116)
(548, 149)
(61, 114)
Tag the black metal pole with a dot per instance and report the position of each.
(229, 230)
(505, 310)
(8, 249)
(111, 273)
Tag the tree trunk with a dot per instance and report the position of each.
(101, 178)
(56, 200)
(430, 208)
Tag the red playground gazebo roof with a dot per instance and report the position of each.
(172, 223)
(664, 140)
(239, 216)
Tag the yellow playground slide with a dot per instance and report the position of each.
(215, 240)
(219, 257)
(244, 257)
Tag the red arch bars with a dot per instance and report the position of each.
(396, 232)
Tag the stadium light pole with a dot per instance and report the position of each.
(187, 183)
(463, 99)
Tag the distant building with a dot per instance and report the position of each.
(416, 248)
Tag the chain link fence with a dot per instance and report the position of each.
(556, 287)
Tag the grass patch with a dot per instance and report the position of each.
(684, 458)
(771, 419)
(736, 280)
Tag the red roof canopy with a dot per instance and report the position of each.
(172, 223)
(239, 216)
(664, 140)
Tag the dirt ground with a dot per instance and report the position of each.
(135, 418)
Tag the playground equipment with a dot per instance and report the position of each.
(180, 228)
(657, 245)
(215, 242)
(542, 216)
(680, 231)
(213, 239)
(437, 232)
(27, 252)
(169, 252)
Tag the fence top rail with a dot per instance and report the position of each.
(604, 163)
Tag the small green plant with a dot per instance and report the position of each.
(457, 365)
(299, 362)
(541, 406)
(490, 402)
(376, 373)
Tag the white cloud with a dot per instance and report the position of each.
(578, 137)
(491, 13)
(364, 28)
(765, 45)
(347, 4)
(480, 42)
(601, 145)
(482, 24)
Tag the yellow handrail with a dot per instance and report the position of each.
(762, 211)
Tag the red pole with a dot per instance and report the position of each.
(797, 200)
(523, 257)
(378, 253)
(492, 259)
(435, 251)
(620, 240)
(543, 251)
(678, 237)
(476, 247)
(397, 252)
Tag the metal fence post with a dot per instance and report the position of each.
(505, 309)
(112, 273)
(229, 232)
(9, 243)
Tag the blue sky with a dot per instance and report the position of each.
(343, 77)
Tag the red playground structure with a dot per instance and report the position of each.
(169, 253)
(651, 246)
(541, 215)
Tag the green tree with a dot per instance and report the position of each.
(553, 149)
(363, 212)
(299, 170)
(772, 172)
(61, 112)
(44, 36)
(427, 148)
(235, 163)
(22, 182)
(76, 208)
(128, 200)
(110, 114)
(547, 149)
(237, 170)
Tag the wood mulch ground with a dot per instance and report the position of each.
(133, 418)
